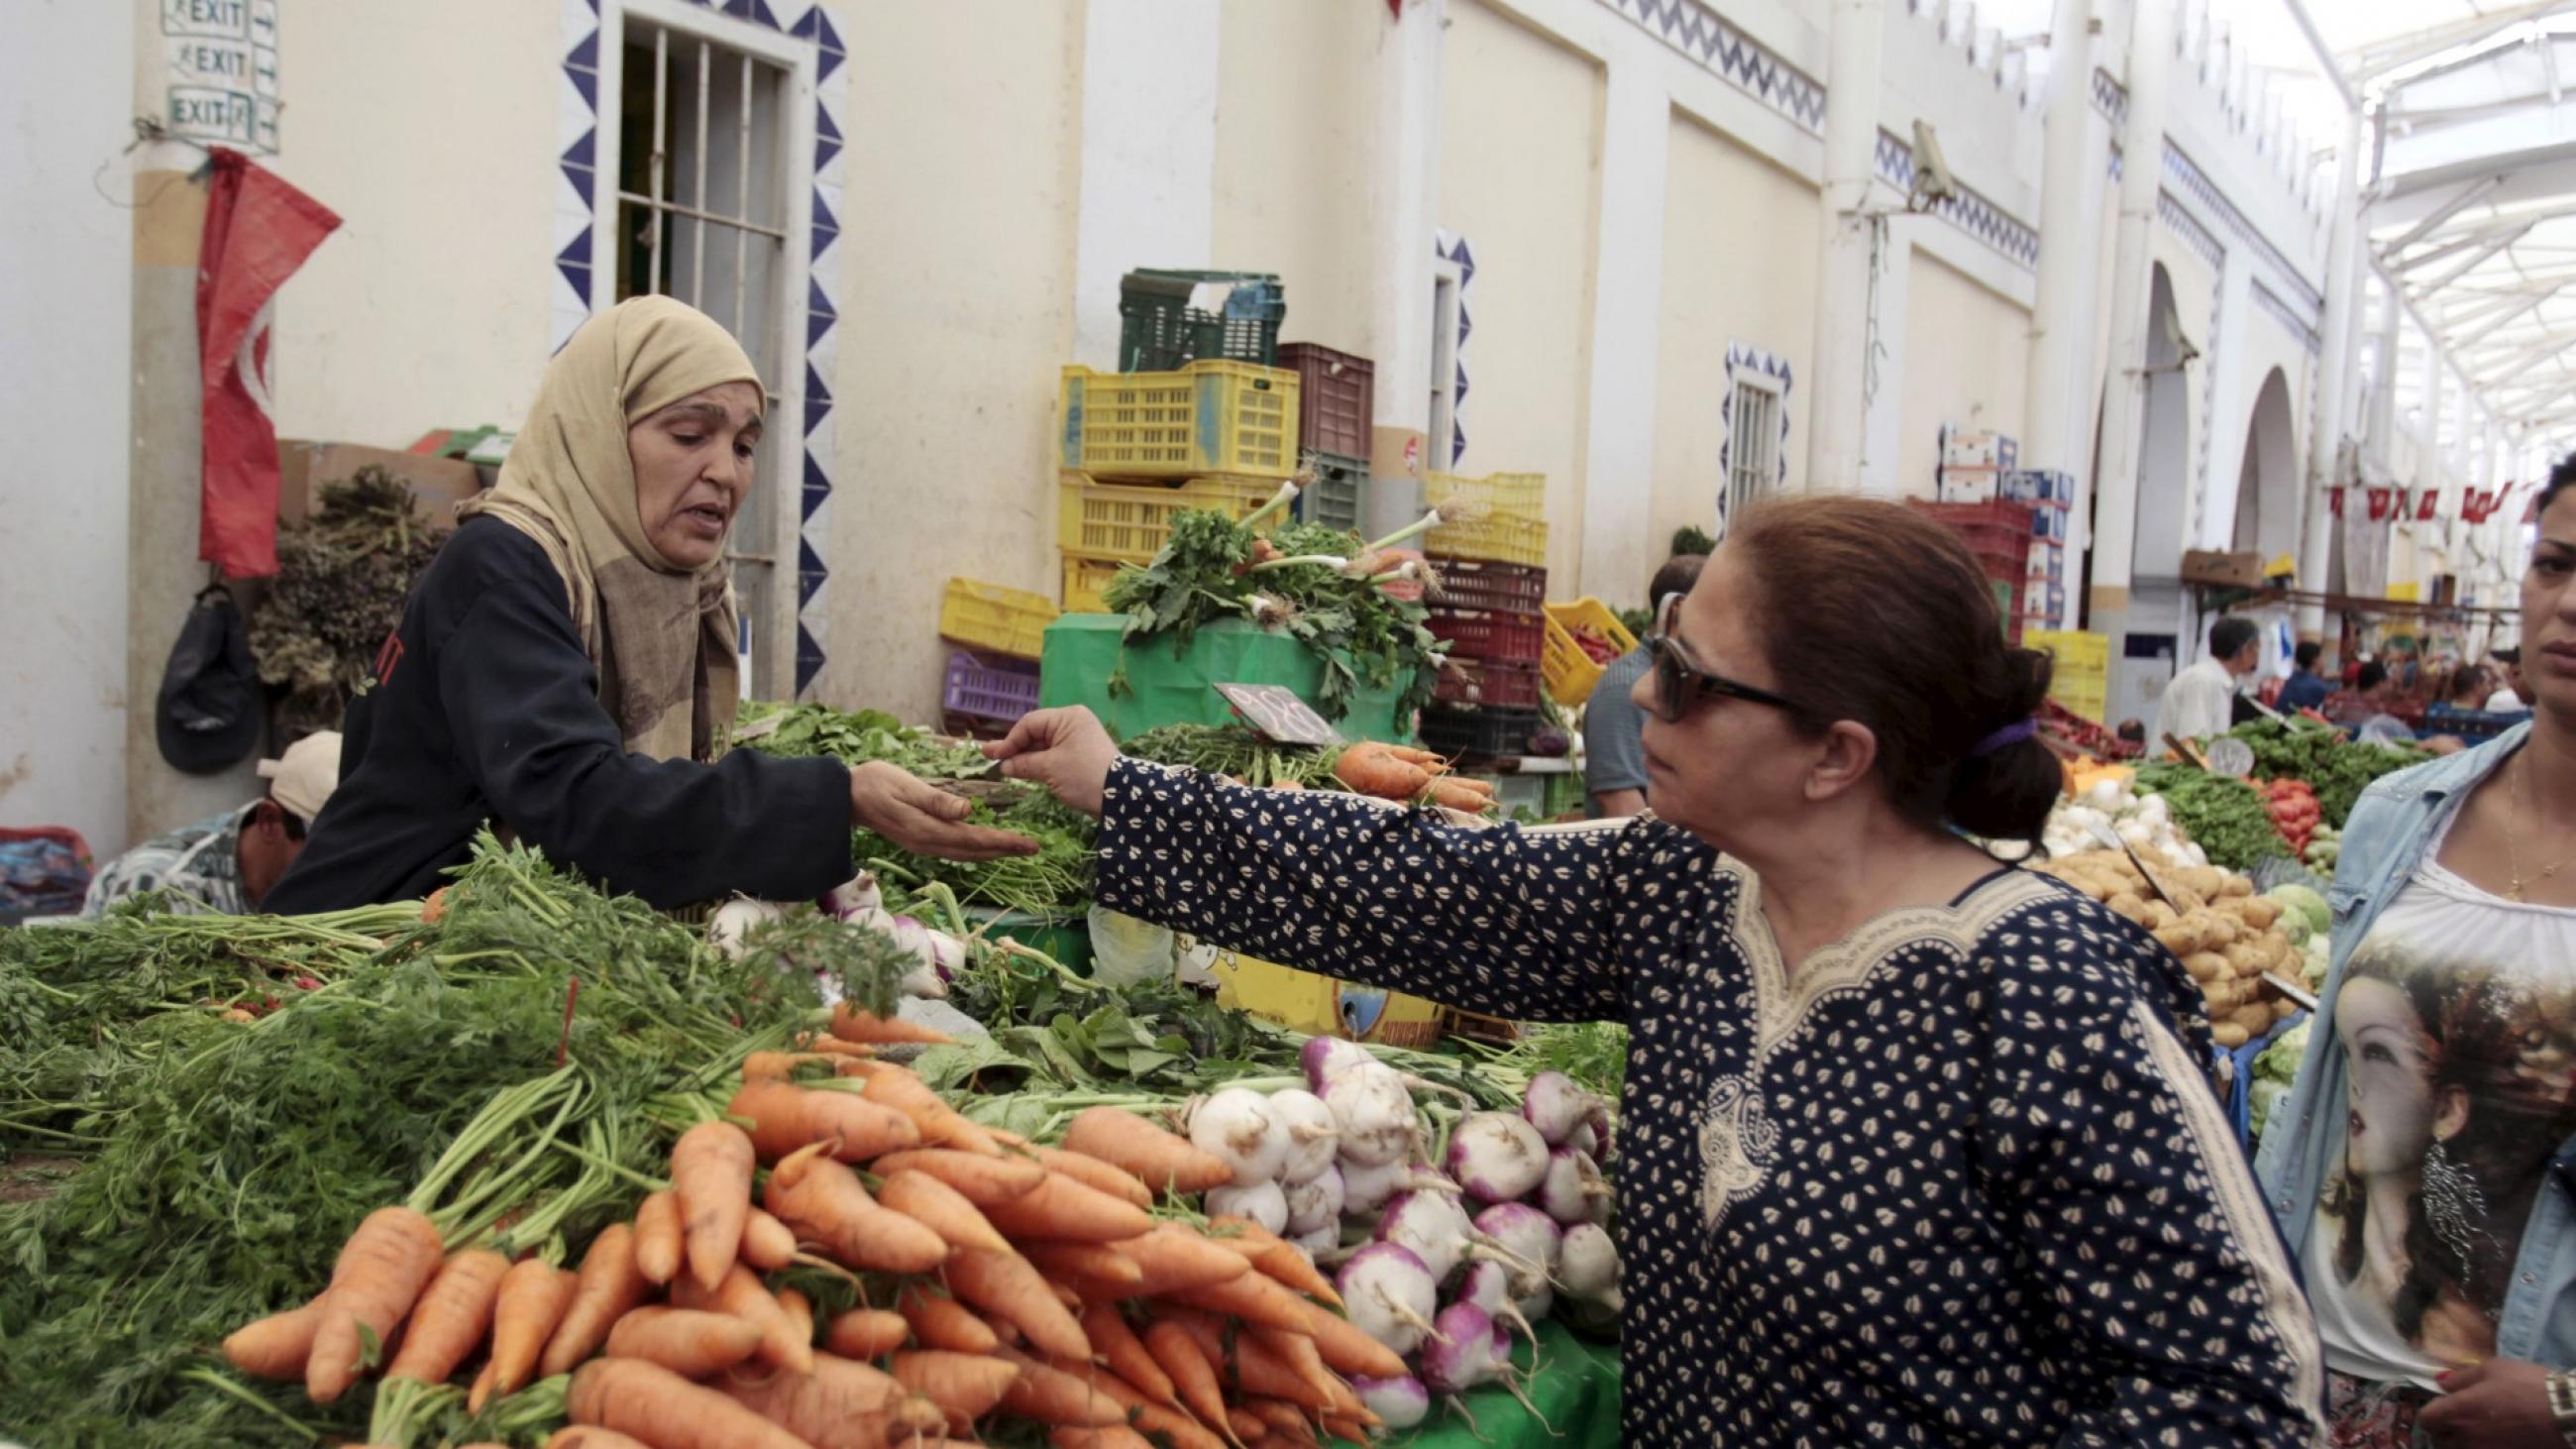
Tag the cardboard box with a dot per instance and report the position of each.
(2048, 522)
(1969, 485)
(2233, 570)
(2047, 564)
(1963, 449)
(2040, 487)
(437, 484)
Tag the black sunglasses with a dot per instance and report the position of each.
(1681, 684)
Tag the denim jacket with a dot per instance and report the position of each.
(2383, 843)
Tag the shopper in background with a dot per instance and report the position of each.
(2422, 1166)
(227, 864)
(2201, 700)
(2507, 698)
(2306, 688)
(1916, 1148)
(2467, 687)
(1614, 754)
(2367, 707)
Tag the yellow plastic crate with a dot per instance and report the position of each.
(1212, 416)
(1304, 1001)
(2075, 649)
(1086, 582)
(1522, 494)
(1130, 521)
(1570, 673)
(995, 619)
(1497, 537)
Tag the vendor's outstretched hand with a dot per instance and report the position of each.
(1066, 750)
(924, 819)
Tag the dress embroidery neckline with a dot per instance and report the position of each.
(1781, 1005)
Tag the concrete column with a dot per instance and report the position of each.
(1148, 154)
(2222, 453)
(2336, 357)
(165, 457)
(1619, 443)
(1404, 191)
(1837, 443)
(2058, 420)
(2142, 142)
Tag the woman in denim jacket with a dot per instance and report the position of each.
(2424, 1165)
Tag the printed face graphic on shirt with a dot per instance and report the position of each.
(2388, 1066)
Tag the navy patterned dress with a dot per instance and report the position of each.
(1957, 1181)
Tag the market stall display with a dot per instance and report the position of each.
(724, 1198)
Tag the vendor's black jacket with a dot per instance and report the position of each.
(485, 707)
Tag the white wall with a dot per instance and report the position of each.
(66, 81)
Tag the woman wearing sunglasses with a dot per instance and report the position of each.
(1915, 1146)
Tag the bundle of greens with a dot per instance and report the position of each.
(342, 578)
(2338, 769)
(1318, 585)
(1233, 750)
(2225, 817)
(1053, 883)
(515, 1070)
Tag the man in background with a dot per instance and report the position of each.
(2306, 688)
(1614, 748)
(2201, 700)
(226, 864)
(2508, 696)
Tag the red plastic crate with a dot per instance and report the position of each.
(1338, 398)
(1510, 638)
(1472, 583)
(994, 689)
(1493, 683)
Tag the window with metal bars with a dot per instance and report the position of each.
(705, 182)
(1752, 440)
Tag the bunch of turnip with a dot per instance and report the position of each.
(935, 954)
(1489, 1234)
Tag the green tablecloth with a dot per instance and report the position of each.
(1577, 1389)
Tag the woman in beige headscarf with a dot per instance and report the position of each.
(566, 668)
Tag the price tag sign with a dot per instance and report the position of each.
(1278, 714)
(2231, 757)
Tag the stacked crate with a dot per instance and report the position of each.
(1337, 400)
(993, 677)
(2080, 679)
(1491, 608)
(2050, 496)
(1999, 534)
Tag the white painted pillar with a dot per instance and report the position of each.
(2222, 453)
(1837, 443)
(1148, 154)
(2338, 351)
(1618, 551)
(2142, 143)
(2383, 392)
(1404, 190)
(2058, 418)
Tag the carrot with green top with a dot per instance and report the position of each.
(657, 1237)
(667, 1411)
(1192, 1376)
(711, 1167)
(1162, 1160)
(742, 1295)
(534, 1296)
(610, 1284)
(380, 1274)
(1125, 1353)
(987, 1182)
(1097, 1175)
(966, 1387)
(824, 1203)
(865, 1028)
(1065, 1211)
(691, 1342)
(786, 1117)
(277, 1346)
(866, 1333)
(939, 1124)
(452, 1317)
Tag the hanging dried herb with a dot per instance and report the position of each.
(342, 577)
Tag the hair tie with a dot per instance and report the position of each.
(2011, 734)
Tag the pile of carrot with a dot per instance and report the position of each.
(1000, 1280)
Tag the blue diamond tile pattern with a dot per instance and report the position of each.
(2294, 285)
(577, 158)
(1698, 31)
(1967, 209)
(1455, 249)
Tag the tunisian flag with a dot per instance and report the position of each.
(258, 231)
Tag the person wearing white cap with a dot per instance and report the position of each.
(225, 865)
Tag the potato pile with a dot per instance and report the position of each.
(2222, 931)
